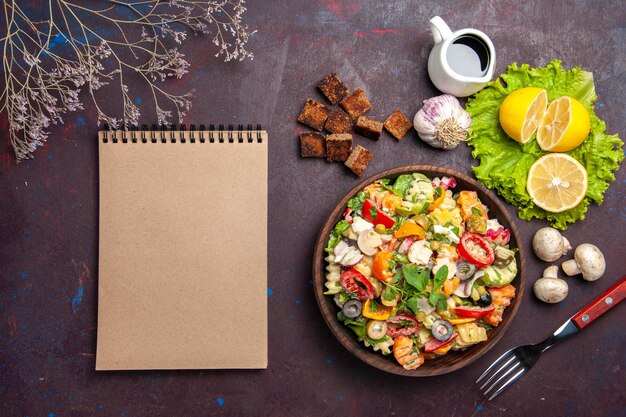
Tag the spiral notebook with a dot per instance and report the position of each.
(182, 249)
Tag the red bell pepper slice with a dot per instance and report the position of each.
(434, 344)
(476, 250)
(372, 214)
(473, 312)
(354, 281)
(393, 331)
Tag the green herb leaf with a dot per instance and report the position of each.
(398, 277)
(401, 185)
(440, 276)
(335, 235)
(356, 202)
(417, 277)
(412, 304)
(476, 211)
(401, 258)
(438, 300)
(374, 212)
(390, 294)
(438, 191)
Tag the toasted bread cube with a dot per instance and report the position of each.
(398, 125)
(369, 128)
(338, 147)
(314, 114)
(338, 122)
(333, 88)
(356, 103)
(358, 160)
(312, 144)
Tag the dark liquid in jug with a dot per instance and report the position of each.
(468, 56)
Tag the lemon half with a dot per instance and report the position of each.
(522, 111)
(557, 182)
(565, 125)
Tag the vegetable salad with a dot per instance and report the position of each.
(417, 268)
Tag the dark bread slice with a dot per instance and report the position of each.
(356, 103)
(314, 114)
(338, 122)
(312, 144)
(332, 88)
(338, 147)
(369, 128)
(398, 124)
(358, 160)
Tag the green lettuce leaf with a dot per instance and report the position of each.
(504, 163)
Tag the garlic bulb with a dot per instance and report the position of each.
(442, 122)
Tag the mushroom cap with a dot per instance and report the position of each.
(549, 245)
(590, 261)
(550, 290)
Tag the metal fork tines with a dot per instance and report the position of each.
(509, 363)
(514, 364)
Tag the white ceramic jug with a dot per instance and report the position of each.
(461, 62)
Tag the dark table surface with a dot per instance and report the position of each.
(49, 226)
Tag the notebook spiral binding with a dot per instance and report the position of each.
(164, 134)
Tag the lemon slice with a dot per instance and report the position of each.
(522, 111)
(557, 182)
(565, 125)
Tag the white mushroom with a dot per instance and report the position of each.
(588, 260)
(368, 241)
(549, 245)
(551, 288)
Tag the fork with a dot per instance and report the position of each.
(518, 361)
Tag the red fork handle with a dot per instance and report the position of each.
(602, 304)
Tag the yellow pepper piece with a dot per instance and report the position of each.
(438, 200)
(410, 228)
(454, 322)
(443, 350)
(391, 202)
(371, 310)
(450, 285)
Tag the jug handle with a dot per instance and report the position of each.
(439, 29)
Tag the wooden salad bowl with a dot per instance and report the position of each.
(453, 360)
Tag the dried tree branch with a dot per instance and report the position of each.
(46, 63)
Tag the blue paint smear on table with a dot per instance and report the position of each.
(220, 401)
(137, 100)
(340, 397)
(269, 292)
(479, 408)
(78, 298)
(298, 301)
(50, 414)
(80, 121)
